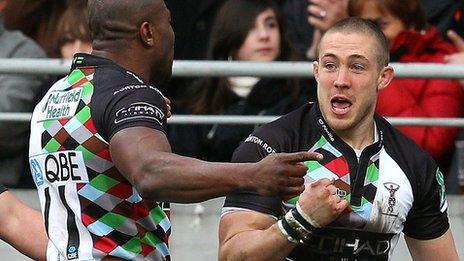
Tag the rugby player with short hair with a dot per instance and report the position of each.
(99, 154)
(390, 184)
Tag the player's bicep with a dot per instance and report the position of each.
(136, 108)
(132, 148)
(234, 223)
(441, 248)
(428, 218)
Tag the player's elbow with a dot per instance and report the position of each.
(228, 252)
(148, 185)
(227, 255)
(224, 253)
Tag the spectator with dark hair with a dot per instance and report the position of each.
(404, 24)
(307, 20)
(257, 36)
(38, 20)
(18, 92)
(72, 36)
(192, 21)
(73, 31)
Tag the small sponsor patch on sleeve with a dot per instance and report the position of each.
(140, 111)
(253, 139)
(441, 182)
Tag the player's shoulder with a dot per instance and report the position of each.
(284, 130)
(112, 82)
(403, 148)
(285, 123)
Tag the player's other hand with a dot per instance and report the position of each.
(282, 174)
(321, 202)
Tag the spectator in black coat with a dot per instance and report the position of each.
(257, 36)
(191, 21)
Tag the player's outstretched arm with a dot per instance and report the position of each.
(22, 227)
(250, 235)
(144, 157)
(441, 248)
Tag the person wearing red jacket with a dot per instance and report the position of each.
(404, 24)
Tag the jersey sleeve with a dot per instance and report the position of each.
(428, 217)
(253, 149)
(142, 107)
(2, 188)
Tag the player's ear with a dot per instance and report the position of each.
(146, 34)
(385, 77)
(316, 70)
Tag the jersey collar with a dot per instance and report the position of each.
(357, 168)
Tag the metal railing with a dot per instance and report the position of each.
(260, 69)
(224, 68)
(243, 120)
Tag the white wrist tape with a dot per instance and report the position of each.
(306, 217)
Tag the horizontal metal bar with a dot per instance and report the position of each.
(183, 68)
(411, 121)
(220, 119)
(236, 68)
(34, 66)
(15, 116)
(244, 120)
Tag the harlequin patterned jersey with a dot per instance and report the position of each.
(91, 210)
(392, 186)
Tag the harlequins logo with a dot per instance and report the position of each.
(392, 188)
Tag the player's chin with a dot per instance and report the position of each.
(340, 124)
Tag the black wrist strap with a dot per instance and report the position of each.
(290, 231)
(302, 221)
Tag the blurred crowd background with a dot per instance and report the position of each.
(419, 31)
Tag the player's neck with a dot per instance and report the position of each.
(126, 61)
(360, 136)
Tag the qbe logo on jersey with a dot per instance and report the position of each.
(58, 167)
(61, 104)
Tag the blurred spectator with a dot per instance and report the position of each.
(73, 36)
(17, 95)
(444, 14)
(307, 19)
(456, 58)
(404, 24)
(37, 19)
(73, 31)
(299, 31)
(257, 36)
(191, 21)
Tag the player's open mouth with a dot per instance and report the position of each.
(340, 105)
